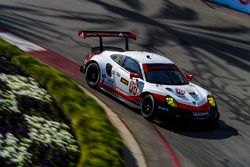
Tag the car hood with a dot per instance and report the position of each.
(190, 94)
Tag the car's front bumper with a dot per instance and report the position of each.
(163, 111)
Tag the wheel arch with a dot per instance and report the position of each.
(95, 83)
(91, 61)
(143, 94)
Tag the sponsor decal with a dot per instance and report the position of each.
(163, 108)
(118, 74)
(200, 114)
(180, 91)
(124, 81)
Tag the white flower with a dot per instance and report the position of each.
(22, 148)
(8, 102)
(25, 86)
(40, 130)
(50, 131)
(10, 149)
(15, 153)
(4, 154)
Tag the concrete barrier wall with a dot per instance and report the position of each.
(240, 5)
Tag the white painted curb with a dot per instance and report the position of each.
(126, 135)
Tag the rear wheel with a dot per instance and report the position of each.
(148, 106)
(92, 75)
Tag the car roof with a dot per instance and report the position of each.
(145, 57)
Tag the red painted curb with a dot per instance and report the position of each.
(59, 62)
(170, 151)
(51, 58)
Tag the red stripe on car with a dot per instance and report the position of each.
(159, 97)
(204, 107)
(130, 98)
(90, 57)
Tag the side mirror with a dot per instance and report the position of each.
(189, 77)
(134, 75)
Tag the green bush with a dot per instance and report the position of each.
(8, 50)
(99, 140)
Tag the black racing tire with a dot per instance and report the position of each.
(92, 75)
(148, 107)
(213, 123)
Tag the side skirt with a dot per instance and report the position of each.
(132, 103)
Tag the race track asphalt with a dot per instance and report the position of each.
(211, 42)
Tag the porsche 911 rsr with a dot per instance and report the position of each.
(152, 82)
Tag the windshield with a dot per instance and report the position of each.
(165, 74)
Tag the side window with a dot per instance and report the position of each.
(118, 58)
(132, 66)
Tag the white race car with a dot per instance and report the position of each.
(148, 80)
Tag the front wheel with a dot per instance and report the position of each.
(148, 107)
(92, 75)
(213, 122)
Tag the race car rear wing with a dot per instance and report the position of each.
(100, 34)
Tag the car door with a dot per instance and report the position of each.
(124, 83)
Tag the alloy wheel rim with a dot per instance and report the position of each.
(147, 106)
(92, 75)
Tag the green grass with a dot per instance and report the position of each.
(101, 146)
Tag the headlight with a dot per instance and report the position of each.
(211, 101)
(171, 101)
